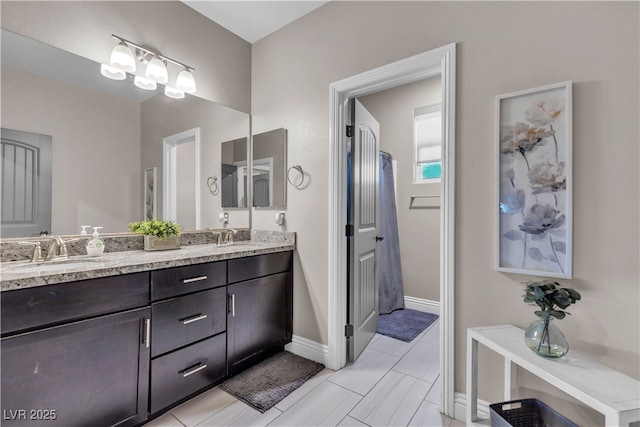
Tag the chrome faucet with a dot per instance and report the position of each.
(226, 237)
(58, 248)
(36, 256)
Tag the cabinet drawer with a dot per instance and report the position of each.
(189, 278)
(183, 372)
(257, 266)
(24, 309)
(183, 320)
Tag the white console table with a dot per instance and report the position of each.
(608, 391)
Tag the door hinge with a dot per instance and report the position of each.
(348, 330)
(348, 230)
(349, 131)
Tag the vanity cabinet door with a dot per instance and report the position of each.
(88, 373)
(258, 319)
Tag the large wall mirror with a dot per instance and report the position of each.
(269, 163)
(106, 133)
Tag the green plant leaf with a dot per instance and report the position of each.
(557, 314)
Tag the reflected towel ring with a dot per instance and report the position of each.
(299, 169)
(212, 183)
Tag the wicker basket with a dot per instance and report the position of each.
(526, 413)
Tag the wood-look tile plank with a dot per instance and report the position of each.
(351, 422)
(325, 405)
(198, 409)
(240, 414)
(392, 402)
(367, 370)
(304, 389)
(391, 346)
(422, 362)
(432, 334)
(166, 420)
(428, 415)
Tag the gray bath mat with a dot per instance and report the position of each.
(404, 324)
(267, 383)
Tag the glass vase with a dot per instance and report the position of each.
(544, 338)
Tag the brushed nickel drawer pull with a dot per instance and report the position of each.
(195, 279)
(193, 319)
(147, 330)
(233, 305)
(193, 371)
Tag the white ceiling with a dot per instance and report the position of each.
(253, 20)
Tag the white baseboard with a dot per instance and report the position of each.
(424, 305)
(308, 349)
(460, 407)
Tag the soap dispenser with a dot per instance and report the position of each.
(84, 230)
(95, 247)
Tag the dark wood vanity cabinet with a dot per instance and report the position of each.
(120, 350)
(93, 371)
(260, 310)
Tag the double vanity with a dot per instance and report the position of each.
(121, 339)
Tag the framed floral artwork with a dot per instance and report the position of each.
(150, 194)
(534, 181)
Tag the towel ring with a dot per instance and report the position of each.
(299, 169)
(212, 183)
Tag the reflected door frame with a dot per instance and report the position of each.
(169, 173)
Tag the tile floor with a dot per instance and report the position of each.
(393, 383)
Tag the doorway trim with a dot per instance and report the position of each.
(169, 168)
(439, 61)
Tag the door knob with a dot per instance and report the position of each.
(379, 238)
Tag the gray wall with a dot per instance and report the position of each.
(501, 47)
(418, 226)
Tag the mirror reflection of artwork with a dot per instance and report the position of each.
(269, 169)
(233, 173)
(150, 195)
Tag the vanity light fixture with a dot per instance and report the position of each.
(122, 57)
(123, 60)
(172, 92)
(157, 71)
(145, 83)
(112, 73)
(185, 81)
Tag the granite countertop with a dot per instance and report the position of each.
(21, 274)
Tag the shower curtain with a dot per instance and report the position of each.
(391, 290)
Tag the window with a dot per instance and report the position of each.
(428, 143)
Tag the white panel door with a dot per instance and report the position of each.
(363, 262)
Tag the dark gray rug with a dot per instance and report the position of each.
(405, 324)
(267, 383)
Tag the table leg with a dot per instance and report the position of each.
(507, 379)
(472, 380)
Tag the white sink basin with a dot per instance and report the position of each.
(56, 266)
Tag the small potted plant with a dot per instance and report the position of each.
(543, 336)
(158, 234)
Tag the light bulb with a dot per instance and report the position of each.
(185, 81)
(122, 57)
(157, 71)
(112, 73)
(172, 92)
(145, 83)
